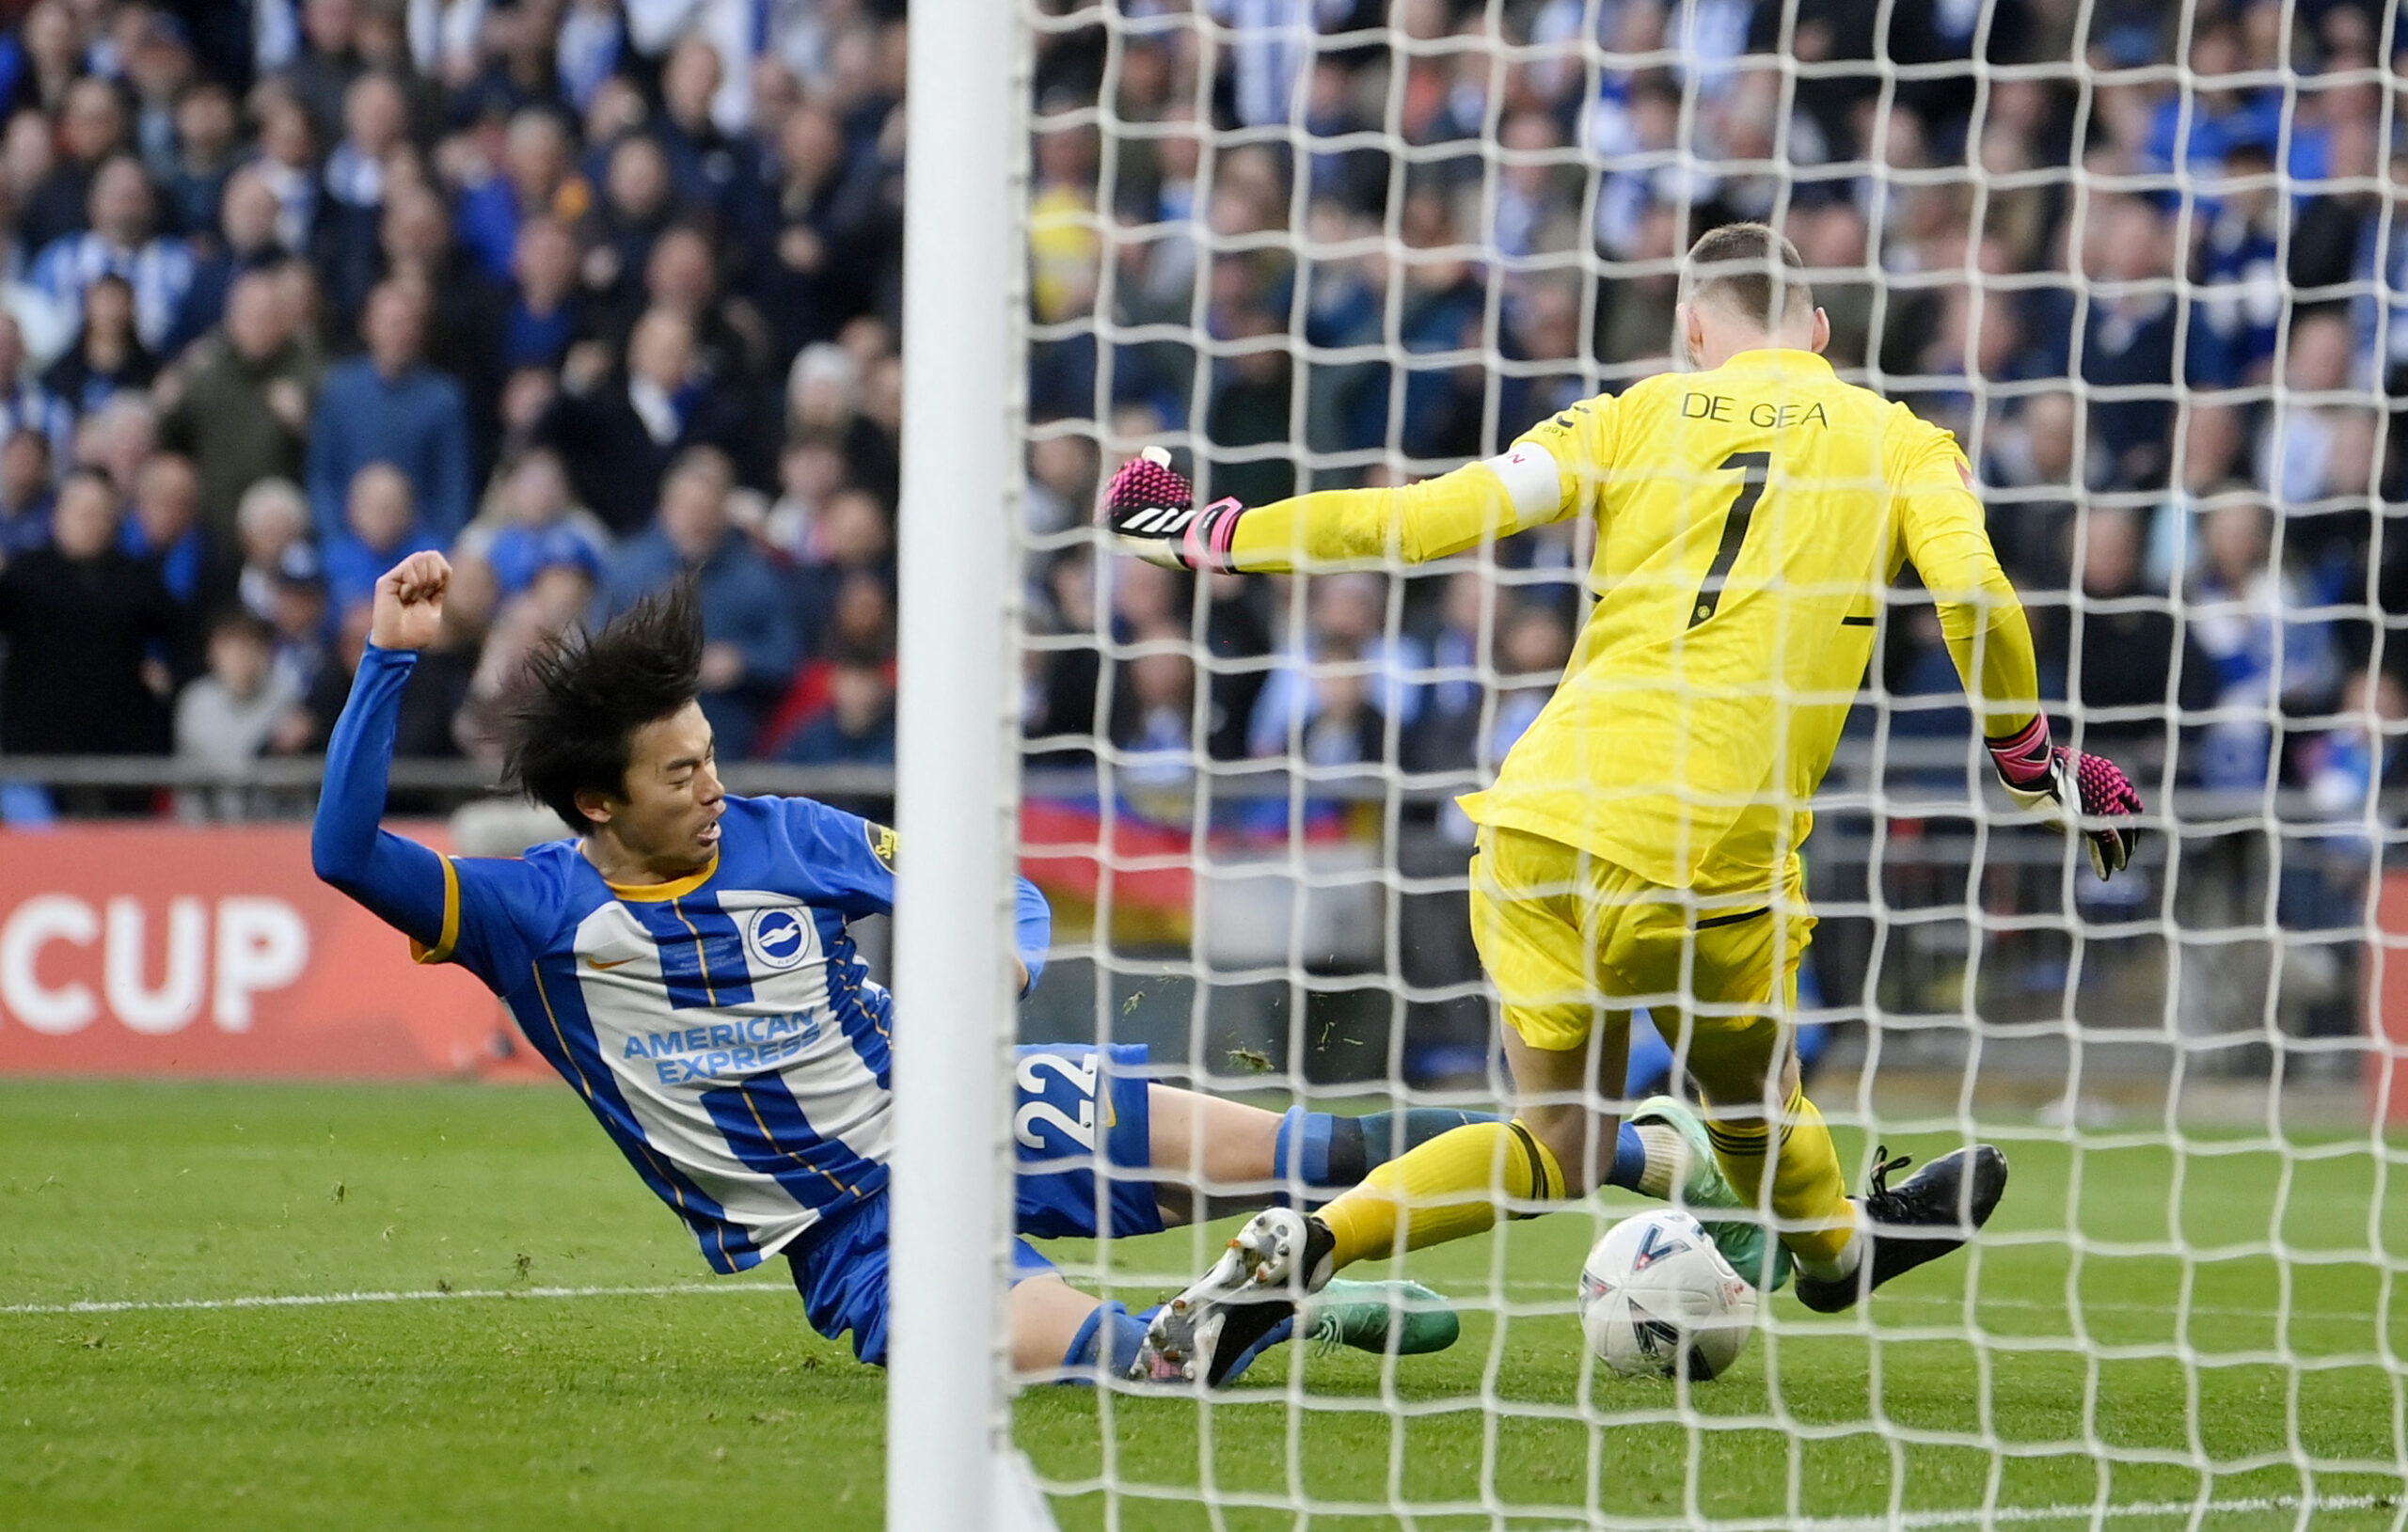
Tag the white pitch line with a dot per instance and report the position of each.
(1911, 1521)
(1917, 1521)
(2034, 1305)
(676, 1289)
(321, 1300)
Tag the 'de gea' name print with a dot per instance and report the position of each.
(1778, 417)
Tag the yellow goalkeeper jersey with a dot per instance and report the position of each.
(1748, 519)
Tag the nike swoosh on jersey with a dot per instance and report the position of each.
(600, 967)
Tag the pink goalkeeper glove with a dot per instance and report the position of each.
(1152, 511)
(2064, 789)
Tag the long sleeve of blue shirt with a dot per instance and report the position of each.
(1033, 932)
(401, 881)
(405, 884)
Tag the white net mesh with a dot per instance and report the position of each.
(2148, 264)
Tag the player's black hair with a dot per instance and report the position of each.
(583, 698)
(1735, 266)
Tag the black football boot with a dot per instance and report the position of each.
(1938, 1208)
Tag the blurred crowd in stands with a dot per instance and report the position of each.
(588, 296)
(2175, 298)
(2148, 261)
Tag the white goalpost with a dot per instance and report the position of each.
(950, 1462)
(2150, 266)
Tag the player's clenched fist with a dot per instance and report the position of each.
(408, 612)
(2056, 785)
(1153, 510)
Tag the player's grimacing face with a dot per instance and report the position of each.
(674, 799)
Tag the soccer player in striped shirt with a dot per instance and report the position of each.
(1640, 843)
(683, 961)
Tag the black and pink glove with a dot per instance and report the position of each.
(1152, 511)
(2084, 795)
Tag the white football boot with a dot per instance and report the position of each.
(1277, 1260)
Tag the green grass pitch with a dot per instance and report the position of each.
(587, 1371)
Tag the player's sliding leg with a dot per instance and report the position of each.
(1060, 1331)
(1209, 1138)
(1081, 1110)
(1448, 1188)
(1746, 1242)
(1452, 1187)
(1212, 1141)
(1330, 1153)
(1055, 1327)
(1552, 1150)
(1529, 920)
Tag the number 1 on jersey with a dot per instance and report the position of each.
(1754, 466)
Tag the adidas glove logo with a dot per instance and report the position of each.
(1162, 520)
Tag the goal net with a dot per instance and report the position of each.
(2149, 265)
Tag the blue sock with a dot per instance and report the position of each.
(1302, 1149)
(1630, 1160)
(1106, 1343)
(1388, 1134)
(1325, 1151)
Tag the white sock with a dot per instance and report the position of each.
(1843, 1264)
(1668, 1159)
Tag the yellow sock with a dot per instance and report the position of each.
(1806, 1185)
(1446, 1188)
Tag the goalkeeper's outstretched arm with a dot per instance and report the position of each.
(1153, 511)
(1941, 526)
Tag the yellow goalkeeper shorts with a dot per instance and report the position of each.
(1568, 939)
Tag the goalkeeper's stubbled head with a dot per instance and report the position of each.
(1744, 286)
(592, 713)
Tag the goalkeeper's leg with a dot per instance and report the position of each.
(1532, 920)
(1538, 909)
(1448, 1188)
(1761, 1125)
(1453, 1187)
(1772, 1142)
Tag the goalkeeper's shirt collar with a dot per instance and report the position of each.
(1782, 358)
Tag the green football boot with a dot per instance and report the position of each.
(1743, 1242)
(1358, 1315)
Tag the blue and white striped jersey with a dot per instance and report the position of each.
(720, 1028)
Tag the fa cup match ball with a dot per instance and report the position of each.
(1658, 1299)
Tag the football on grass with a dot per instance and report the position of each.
(1658, 1299)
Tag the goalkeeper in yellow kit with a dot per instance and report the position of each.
(1640, 844)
